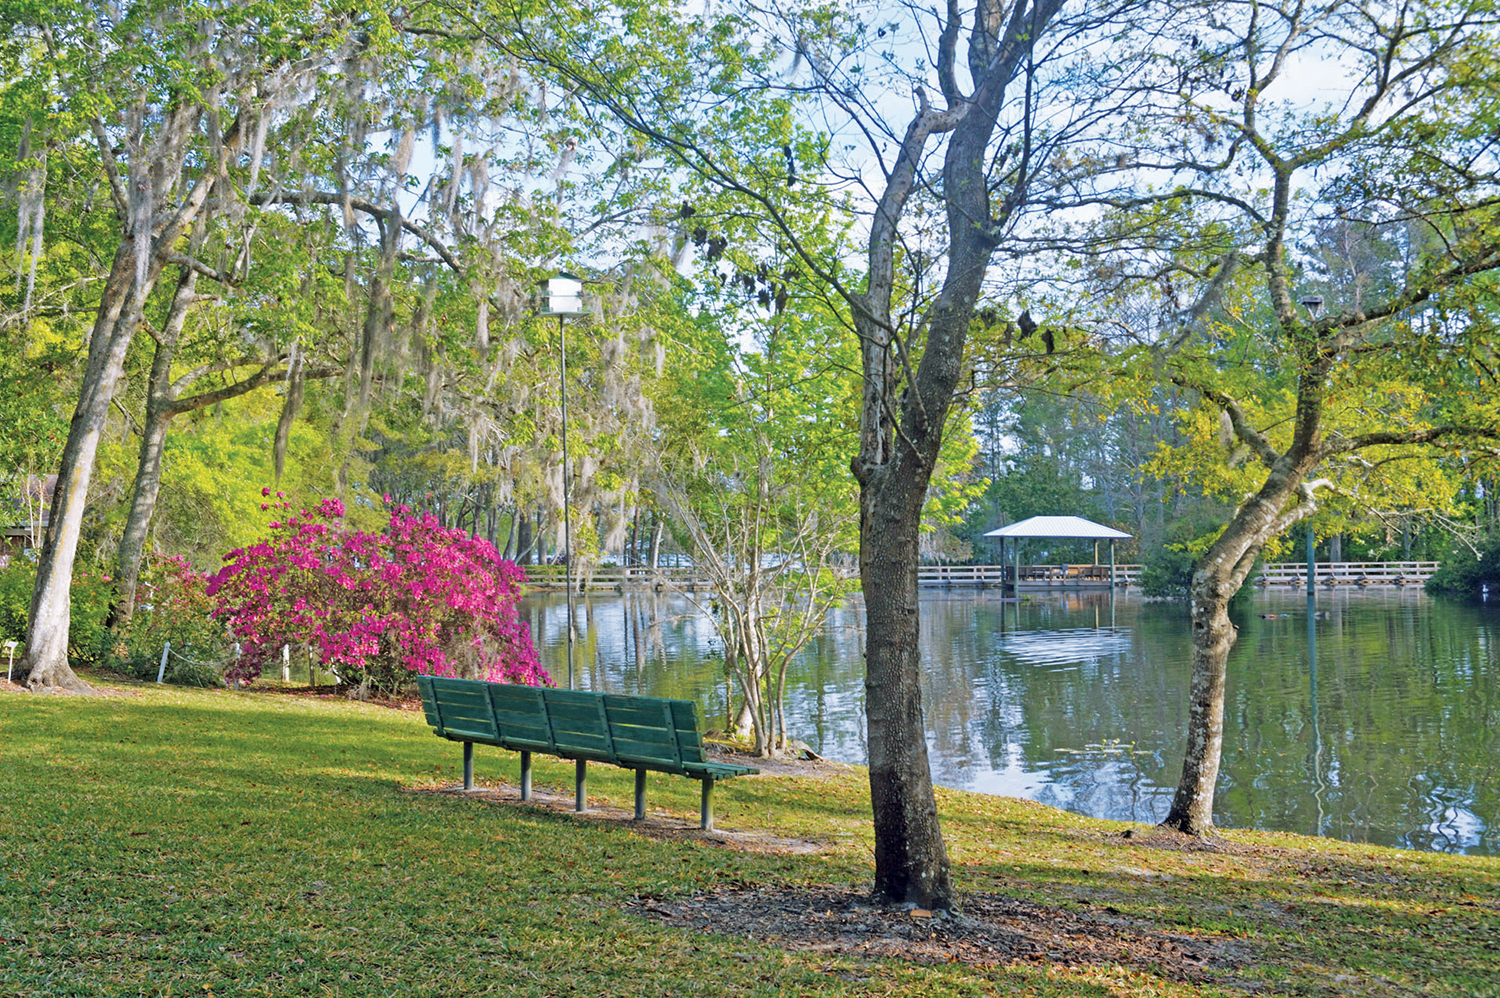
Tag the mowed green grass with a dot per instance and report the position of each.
(179, 842)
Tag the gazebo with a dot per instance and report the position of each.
(1070, 527)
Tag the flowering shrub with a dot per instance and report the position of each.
(172, 604)
(376, 607)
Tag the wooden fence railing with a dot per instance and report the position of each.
(1348, 573)
(1032, 576)
(607, 577)
(1289, 574)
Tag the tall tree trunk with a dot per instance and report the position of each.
(51, 605)
(163, 404)
(147, 486)
(911, 861)
(155, 170)
(523, 536)
(1218, 575)
(1192, 808)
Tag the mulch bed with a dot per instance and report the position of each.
(991, 930)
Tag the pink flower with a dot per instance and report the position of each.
(414, 597)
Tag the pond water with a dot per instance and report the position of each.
(1388, 733)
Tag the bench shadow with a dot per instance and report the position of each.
(658, 824)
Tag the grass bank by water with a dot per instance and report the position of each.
(176, 842)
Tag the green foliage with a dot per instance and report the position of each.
(33, 401)
(1167, 573)
(174, 609)
(16, 581)
(1465, 575)
(91, 595)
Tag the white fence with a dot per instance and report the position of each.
(1290, 574)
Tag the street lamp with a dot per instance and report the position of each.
(562, 296)
(1313, 304)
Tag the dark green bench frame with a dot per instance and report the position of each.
(639, 733)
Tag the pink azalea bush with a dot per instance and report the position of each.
(417, 598)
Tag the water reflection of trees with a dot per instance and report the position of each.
(1036, 699)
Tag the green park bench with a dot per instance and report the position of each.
(639, 733)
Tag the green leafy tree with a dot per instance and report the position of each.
(719, 99)
(750, 475)
(1293, 405)
(165, 110)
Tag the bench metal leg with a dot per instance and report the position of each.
(468, 765)
(707, 810)
(640, 795)
(526, 776)
(580, 799)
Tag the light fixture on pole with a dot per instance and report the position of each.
(562, 296)
(1313, 304)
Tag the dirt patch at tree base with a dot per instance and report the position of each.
(1170, 840)
(63, 691)
(991, 930)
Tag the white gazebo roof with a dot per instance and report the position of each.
(1059, 526)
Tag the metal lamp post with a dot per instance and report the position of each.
(562, 296)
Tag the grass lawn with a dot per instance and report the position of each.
(183, 842)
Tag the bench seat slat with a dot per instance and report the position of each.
(521, 719)
(528, 732)
(469, 735)
(580, 740)
(583, 752)
(717, 770)
(515, 696)
(646, 753)
(640, 733)
(526, 744)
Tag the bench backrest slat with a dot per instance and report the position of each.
(522, 717)
(689, 737)
(579, 727)
(463, 709)
(643, 731)
(429, 703)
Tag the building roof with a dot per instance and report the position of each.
(1059, 526)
